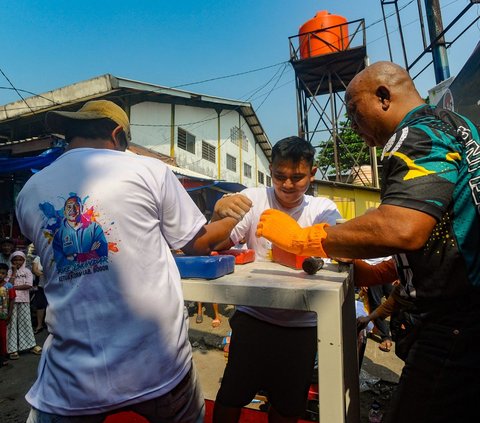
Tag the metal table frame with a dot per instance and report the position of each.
(328, 293)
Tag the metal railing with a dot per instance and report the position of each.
(350, 34)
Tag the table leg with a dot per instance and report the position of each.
(337, 350)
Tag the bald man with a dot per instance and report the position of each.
(429, 218)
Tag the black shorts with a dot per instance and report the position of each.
(440, 380)
(265, 357)
(38, 299)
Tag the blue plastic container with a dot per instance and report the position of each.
(204, 267)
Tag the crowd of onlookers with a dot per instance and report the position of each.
(22, 300)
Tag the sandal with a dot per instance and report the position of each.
(37, 350)
(216, 323)
(14, 356)
(385, 345)
(199, 318)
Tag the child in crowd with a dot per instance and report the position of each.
(7, 246)
(20, 331)
(7, 299)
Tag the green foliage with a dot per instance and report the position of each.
(352, 151)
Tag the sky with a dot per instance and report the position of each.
(242, 47)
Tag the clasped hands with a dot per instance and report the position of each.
(283, 231)
(276, 226)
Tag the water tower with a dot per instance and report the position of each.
(326, 54)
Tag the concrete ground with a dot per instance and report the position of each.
(18, 376)
(210, 361)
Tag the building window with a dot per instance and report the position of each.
(231, 163)
(208, 152)
(186, 141)
(261, 178)
(247, 170)
(269, 181)
(235, 137)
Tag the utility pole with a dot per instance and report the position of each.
(439, 49)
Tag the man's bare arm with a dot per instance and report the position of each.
(382, 232)
(210, 237)
(233, 206)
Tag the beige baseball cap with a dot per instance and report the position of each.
(58, 121)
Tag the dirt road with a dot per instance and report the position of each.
(19, 375)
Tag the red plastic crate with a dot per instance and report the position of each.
(126, 417)
(241, 256)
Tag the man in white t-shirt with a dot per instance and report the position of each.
(272, 350)
(118, 334)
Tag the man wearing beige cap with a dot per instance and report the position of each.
(103, 222)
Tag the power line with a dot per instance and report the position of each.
(159, 89)
(270, 92)
(215, 78)
(389, 16)
(230, 76)
(230, 111)
(30, 92)
(244, 123)
(13, 86)
(405, 25)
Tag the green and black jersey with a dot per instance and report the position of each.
(432, 164)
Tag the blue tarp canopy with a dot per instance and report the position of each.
(220, 186)
(214, 189)
(15, 164)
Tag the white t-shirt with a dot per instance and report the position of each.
(103, 223)
(311, 211)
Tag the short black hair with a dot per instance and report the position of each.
(94, 129)
(4, 266)
(7, 241)
(295, 149)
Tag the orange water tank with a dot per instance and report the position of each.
(322, 41)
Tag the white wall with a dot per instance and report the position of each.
(150, 126)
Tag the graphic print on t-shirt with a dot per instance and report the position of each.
(78, 240)
(4, 302)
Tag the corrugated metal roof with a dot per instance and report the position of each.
(189, 173)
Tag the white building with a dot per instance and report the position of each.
(215, 137)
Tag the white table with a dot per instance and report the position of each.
(328, 293)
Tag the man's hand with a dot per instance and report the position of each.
(286, 233)
(362, 322)
(235, 206)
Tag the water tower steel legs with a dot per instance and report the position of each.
(334, 132)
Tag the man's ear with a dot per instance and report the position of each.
(119, 145)
(384, 96)
(312, 173)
